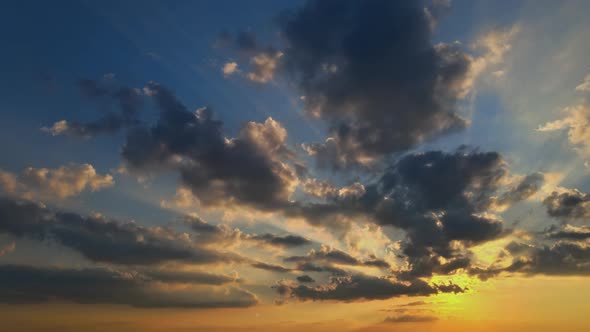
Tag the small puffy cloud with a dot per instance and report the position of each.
(57, 128)
(63, 182)
(264, 66)
(229, 68)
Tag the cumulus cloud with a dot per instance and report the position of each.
(26, 284)
(444, 203)
(244, 170)
(63, 182)
(561, 258)
(572, 204)
(370, 70)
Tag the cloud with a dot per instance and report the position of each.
(229, 68)
(271, 267)
(63, 182)
(103, 240)
(576, 122)
(356, 287)
(371, 71)
(264, 66)
(328, 255)
(569, 232)
(493, 47)
(244, 170)
(305, 278)
(325, 190)
(529, 186)
(8, 248)
(411, 319)
(129, 101)
(571, 204)
(584, 86)
(561, 258)
(188, 277)
(443, 201)
(26, 284)
(286, 241)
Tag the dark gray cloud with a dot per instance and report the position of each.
(25, 284)
(370, 69)
(561, 258)
(188, 277)
(572, 204)
(103, 240)
(358, 287)
(306, 266)
(569, 232)
(286, 241)
(243, 170)
(271, 267)
(305, 278)
(437, 198)
(329, 256)
(130, 103)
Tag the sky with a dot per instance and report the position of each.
(285, 165)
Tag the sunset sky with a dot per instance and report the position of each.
(327, 165)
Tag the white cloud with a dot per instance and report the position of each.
(229, 68)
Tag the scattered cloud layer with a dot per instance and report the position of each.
(63, 182)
